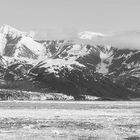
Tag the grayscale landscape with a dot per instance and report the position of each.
(71, 120)
(69, 70)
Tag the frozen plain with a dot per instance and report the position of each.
(71, 120)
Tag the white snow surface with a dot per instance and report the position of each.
(104, 55)
(34, 46)
(3, 42)
(106, 60)
(78, 50)
(26, 40)
(55, 65)
(13, 33)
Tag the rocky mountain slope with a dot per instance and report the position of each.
(72, 67)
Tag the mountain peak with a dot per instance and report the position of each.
(10, 31)
(13, 33)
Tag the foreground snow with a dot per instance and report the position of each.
(69, 120)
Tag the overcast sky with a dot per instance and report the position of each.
(71, 15)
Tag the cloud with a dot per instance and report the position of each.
(121, 40)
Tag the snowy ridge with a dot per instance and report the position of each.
(19, 45)
(12, 32)
(35, 47)
(3, 42)
(55, 65)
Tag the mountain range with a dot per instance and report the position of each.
(87, 65)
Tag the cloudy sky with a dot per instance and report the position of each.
(60, 17)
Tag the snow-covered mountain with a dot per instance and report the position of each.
(17, 44)
(70, 66)
(12, 32)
